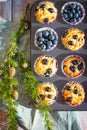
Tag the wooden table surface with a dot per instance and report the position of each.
(12, 10)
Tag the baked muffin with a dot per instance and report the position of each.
(46, 93)
(46, 12)
(46, 39)
(46, 66)
(73, 66)
(73, 12)
(73, 39)
(73, 93)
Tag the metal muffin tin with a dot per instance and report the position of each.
(59, 80)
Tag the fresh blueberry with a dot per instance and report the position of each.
(51, 32)
(55, 42)
(73, 5)
(65, 33)
(44, 61)
(46, 74)
(73, 11)
(76, 15)
(72, 68)
(80, 14)
(74, 62)
(67, 19)
(43, 6)
(49, 96)
(45, 41)
(51, 10)
(42, 96)
(47, 89)
(49, 70)
(65, 15)
(68, 7)
(71, 15)
(46, 20)
(74, 20)
(43, 47)
(49, 43)
(69, 99)
(80, 66)
(39, 34)
(40, 39)
(65, 11)
(78, 19)
(68, 88)
(51, 37)
(75, 36)
(75, 91)
(39, 43)
(70, 43)
(45, 33)
(77, 8)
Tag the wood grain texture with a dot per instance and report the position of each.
(5, 10)
(13, 10)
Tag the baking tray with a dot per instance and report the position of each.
(60, 53)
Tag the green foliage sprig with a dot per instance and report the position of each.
(8, 81)
(30, 85)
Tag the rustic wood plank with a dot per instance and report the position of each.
(19, 8)
(5, 10)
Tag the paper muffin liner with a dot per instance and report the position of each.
(82, 8)
(71, 95)
(68, 48)
(56, 96)
(43, 75)
(69, 57)
(43, 29)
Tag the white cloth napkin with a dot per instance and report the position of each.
(31, 119)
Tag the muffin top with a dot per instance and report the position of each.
(73, 93)
(73, 66)
(46, 12)
(73, 12)
(73, 39)
(46, 93)
(46, 66)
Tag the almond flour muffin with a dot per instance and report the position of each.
(73, 66)
(46, 93)
(46, 66)
(46, 12)
(73, 93)
(73, 39)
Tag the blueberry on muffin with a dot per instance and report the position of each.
(73, 39)
(45, 12)
(73, 93)
(46, 66)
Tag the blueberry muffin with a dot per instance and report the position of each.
(46, 39)
(46, 12)
(73, 13)
(73, 93)
(46, 93)
(73, 39)
(46, 66)
(73, 66)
